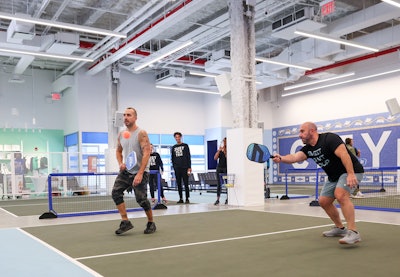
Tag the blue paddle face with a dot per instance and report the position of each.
(258, 153)
(130, 160)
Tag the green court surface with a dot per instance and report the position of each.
(226, 243)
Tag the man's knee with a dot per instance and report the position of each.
(145, 204)
(117, 197)
(325, 201)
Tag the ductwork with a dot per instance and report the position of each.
(17, 32)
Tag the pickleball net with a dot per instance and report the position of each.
(380, 188)
(78, 194)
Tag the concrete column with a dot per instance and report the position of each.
(243, 87)
(249, 179)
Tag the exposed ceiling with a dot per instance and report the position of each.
(155, 26)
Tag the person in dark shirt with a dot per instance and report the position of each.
(155, 164)
(220, 155)
(344, 173)
(182, 164)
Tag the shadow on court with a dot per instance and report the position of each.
(226, 243)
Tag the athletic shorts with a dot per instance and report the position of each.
(124, 181)
(329, 187)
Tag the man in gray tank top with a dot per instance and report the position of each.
(133, 153)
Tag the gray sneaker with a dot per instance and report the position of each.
(150, 228)
(350, 238)
(335, 232)
(125, 225)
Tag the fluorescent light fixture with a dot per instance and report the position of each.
(336, 40)
(188, 89)
(341, 83)
(318, 81)
(68, 26)
(162, 56)
(282, 63)
(394, 3)
(46, 55)
(203, 74)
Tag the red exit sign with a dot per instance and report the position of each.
(327, 7)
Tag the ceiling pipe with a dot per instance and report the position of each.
(133, 21)
(145, 30)
(351, 61)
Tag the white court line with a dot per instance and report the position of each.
(8, 212)
(202, 242)
(72, 260)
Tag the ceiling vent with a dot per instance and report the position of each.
(221, 54)
(302, 19)
(300, 15)
(219, 63)
(19, 31)
(170, 77)
(17, 79)
(62, 43)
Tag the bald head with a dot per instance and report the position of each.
(308, 133)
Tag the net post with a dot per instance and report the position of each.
(315, 202)
(286, 196)
(51, 213)
(159, 205)
(382, 188)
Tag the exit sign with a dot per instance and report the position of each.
(327, 7)
(55, 96)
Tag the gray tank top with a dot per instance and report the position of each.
(132, 144)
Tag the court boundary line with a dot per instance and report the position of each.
(10, 213)
(202, 242)
(62, 254)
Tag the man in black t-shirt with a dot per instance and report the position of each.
(181, 161)
(344, 173)
(156, 163)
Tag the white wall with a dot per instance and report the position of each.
(29, 98)
(91, 101)
(163, 111)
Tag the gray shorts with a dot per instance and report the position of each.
(329, 187)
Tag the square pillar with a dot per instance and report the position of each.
(249, 176)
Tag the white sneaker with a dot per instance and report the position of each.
(335, 232)
(350, 238)
(358, 195)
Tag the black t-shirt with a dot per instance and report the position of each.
(323, 154)
(156, 162)
(221, 160)
(180, 156)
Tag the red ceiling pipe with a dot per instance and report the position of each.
(355, 60)
(161, 19)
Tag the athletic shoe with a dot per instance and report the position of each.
(350, 238)
(335, 232)
(187, 201)
(216, 203)
(124, 226)
(165, 201)
(150, 228)
(180, 201)
(359, 194)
